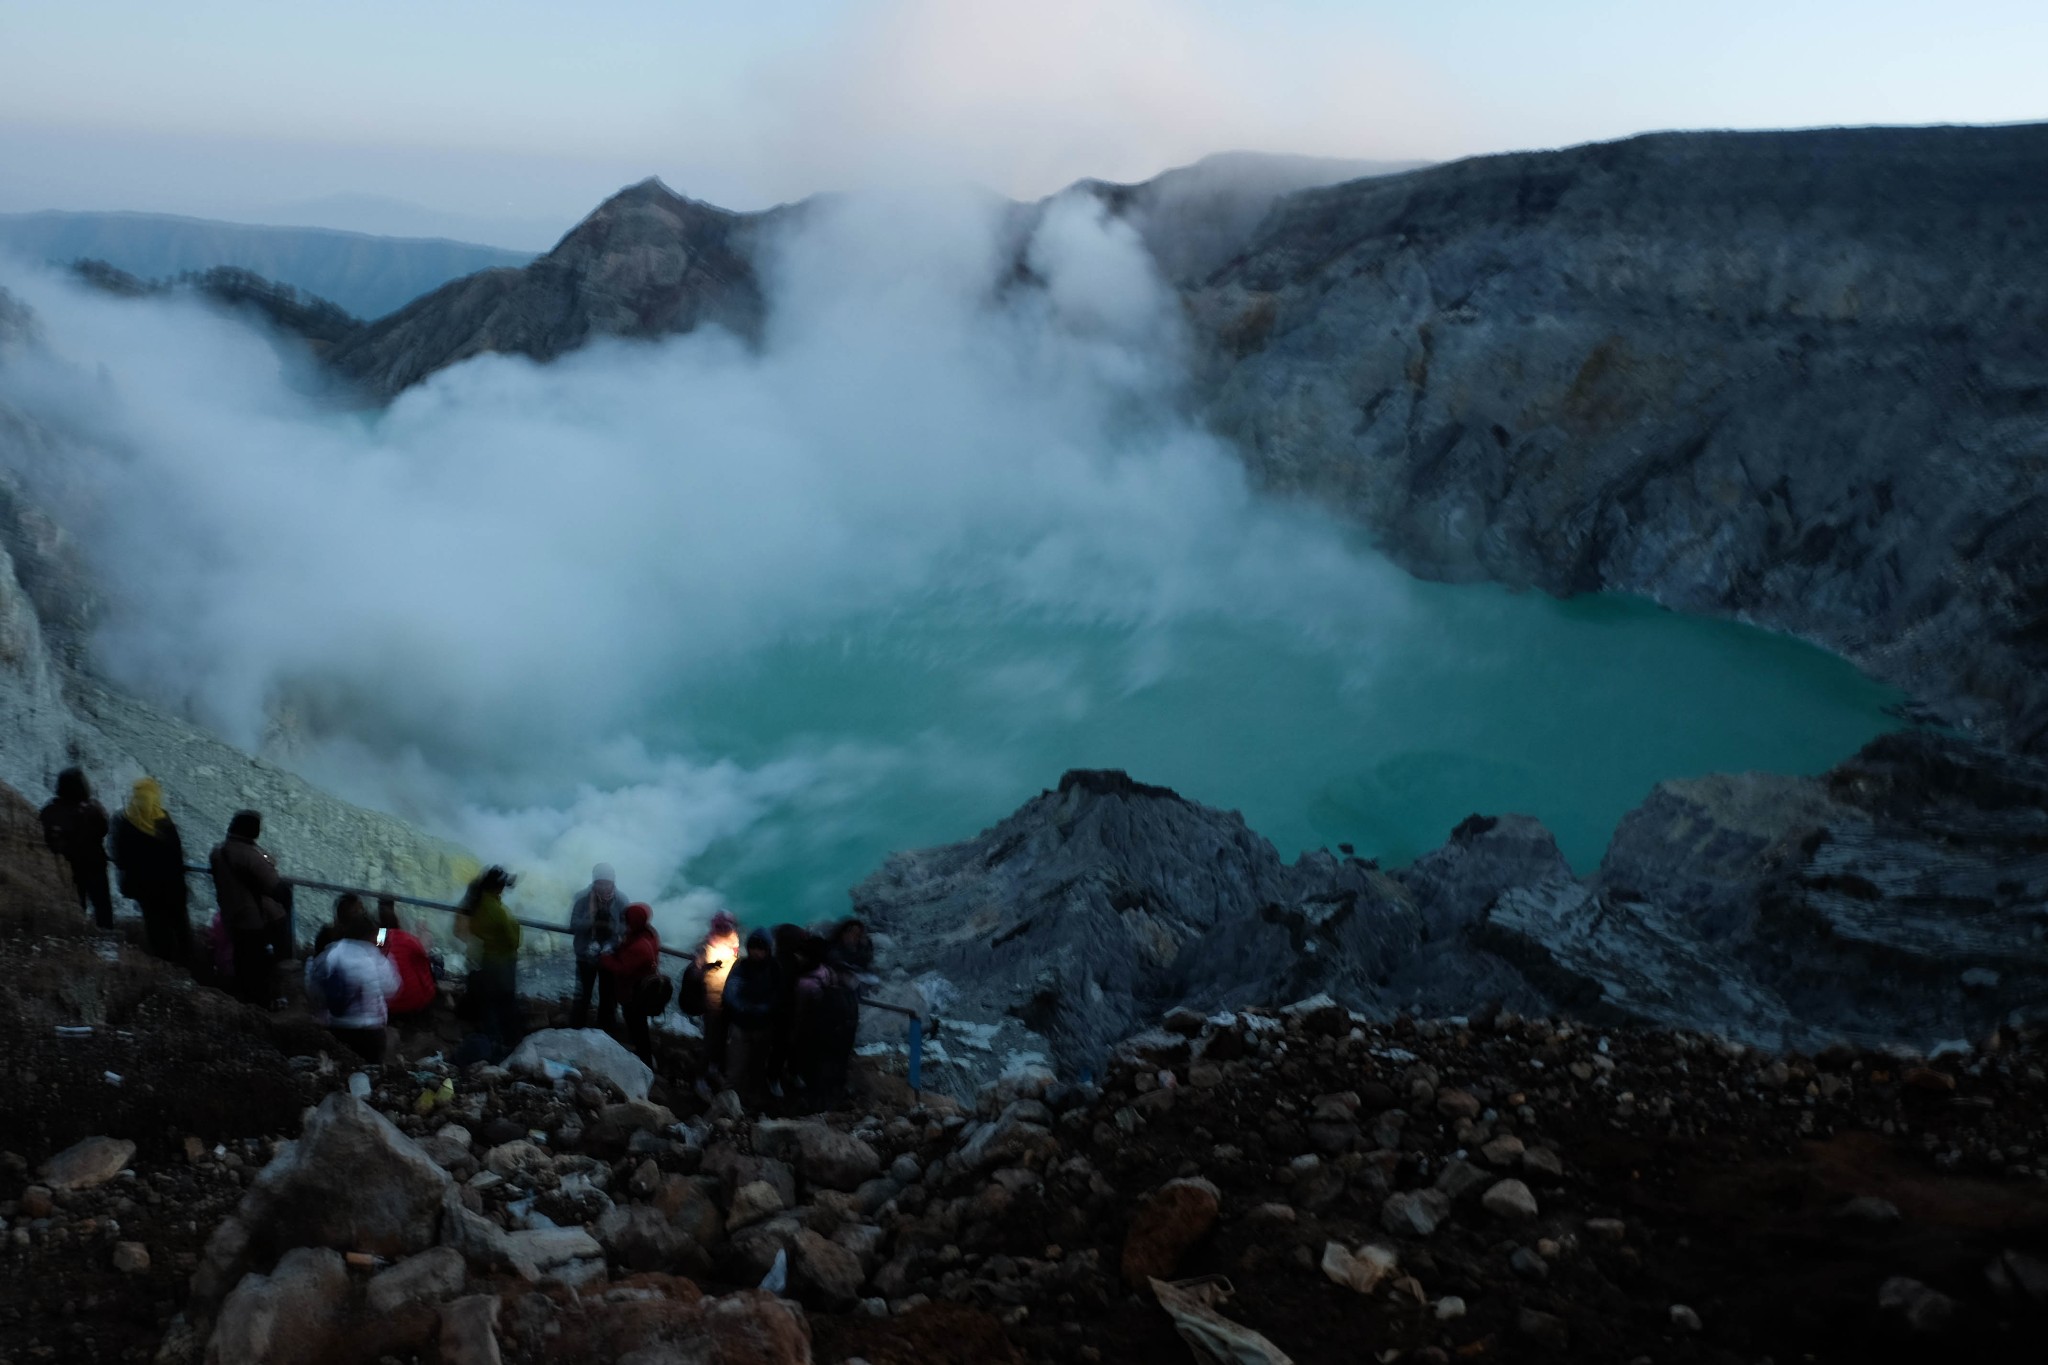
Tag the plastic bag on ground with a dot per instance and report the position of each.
(1214, 1339)
(776, 1281)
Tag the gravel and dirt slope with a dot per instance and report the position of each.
(1495, 1188)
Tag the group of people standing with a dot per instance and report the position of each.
(779, 1014)
(144, 847)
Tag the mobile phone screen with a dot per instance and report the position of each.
(380, 936)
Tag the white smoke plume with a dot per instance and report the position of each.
(497, 606)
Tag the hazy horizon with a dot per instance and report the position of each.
(496, 125)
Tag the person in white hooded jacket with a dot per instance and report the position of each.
(349, 982)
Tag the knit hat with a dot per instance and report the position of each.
(603, 873)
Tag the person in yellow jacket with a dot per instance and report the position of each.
(492, 936)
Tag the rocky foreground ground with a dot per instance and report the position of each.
(187, 1180)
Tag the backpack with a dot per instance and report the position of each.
(650, 997)
(690, 996)
(60, 827)
(839, 1011)
(337, 992)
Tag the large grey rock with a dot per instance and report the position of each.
(824, 1156)
(84, 1164)
(642, 1237)
(593, 1052)
(823, 1274)
(287, 1316)
(350, 1181)
(430, 1277)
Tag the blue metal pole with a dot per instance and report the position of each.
(916, 1054)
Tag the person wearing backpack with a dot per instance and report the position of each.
(150, 857)
(634, 966)
(75, 829)
(350, 982)
(826, 1020)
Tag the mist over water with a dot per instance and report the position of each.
(740, 623)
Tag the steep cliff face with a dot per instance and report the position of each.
(1797, 378)
(647, 263)
(55, 713)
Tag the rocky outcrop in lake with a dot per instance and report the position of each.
(1902, 898)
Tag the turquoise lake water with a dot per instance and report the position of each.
(941, 719)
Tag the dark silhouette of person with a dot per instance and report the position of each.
(149, 856)
(75, 828)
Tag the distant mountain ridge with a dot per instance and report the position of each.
(367, 275)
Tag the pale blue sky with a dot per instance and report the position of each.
(513, 117)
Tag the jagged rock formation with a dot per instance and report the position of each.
(647, 263)
(1902, 898)
(1795, 378)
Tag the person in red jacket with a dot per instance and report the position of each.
(634, 965)
(417, 989)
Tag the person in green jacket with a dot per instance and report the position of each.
(491, 936)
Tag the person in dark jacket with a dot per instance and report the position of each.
(75, 828)
(753, 1007)
(253, 897)
(594, 926)
(788, 939)
(149, 855)
(826, 1020)
(634, 964)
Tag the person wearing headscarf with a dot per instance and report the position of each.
(149, 856)
(75, 828)
(594, 925)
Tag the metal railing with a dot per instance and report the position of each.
(919, 1024)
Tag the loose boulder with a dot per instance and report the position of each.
(591, 1052)
(352, 1181)
(94, 1161)
(825, 1157)
(284, 1317)
(1165, 1226)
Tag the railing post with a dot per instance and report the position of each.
(916, 1054)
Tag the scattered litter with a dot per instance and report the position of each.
(433, 1097)
(777, 1278)
(112, 1077)
(1214, 1339)
(359, 1085)
(74, 1030)
(1362, 1270)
